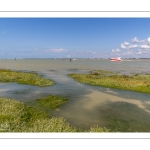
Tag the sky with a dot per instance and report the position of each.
(74, 37)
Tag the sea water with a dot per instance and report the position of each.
(118, 110)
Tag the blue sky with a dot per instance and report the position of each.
(74, 37)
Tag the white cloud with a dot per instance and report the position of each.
(148, 39)
(93, 53)
(55, 50)
(137, 40)
(123, 46)
(128, 46)
(129, 53)
(126, 43)
(113, 50)
(133, 46)
(145, 46)
(116, 50)
(139, 52)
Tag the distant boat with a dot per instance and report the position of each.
(116, 59)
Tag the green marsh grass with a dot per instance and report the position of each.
(52, 101)
(16, 116)
(138, 83)
(24, 78)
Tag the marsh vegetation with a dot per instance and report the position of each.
(52, 101)
(137, 82)
(16, 116)
(30, 78)
(35, 116)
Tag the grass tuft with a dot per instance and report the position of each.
(52, 101)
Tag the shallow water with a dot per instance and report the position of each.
(119, 110)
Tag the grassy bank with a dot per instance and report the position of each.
(24, 78)
(139, 83)
(15, 116)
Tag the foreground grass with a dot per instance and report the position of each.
(139, 83)
(24, 78)
(15, 116)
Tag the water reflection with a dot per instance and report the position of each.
(85, 112)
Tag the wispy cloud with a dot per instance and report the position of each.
(116, 50)
(136, 40)
(55, 50)
(133, 47)
(58, 50)
(145, 46)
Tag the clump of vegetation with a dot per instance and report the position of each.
(139, 83)
(15, 116)
(98, 129)
(52, 101)
(102, 72)
(24, 78)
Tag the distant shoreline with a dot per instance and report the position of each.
(66, 58)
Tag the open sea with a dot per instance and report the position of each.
(118, 110)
